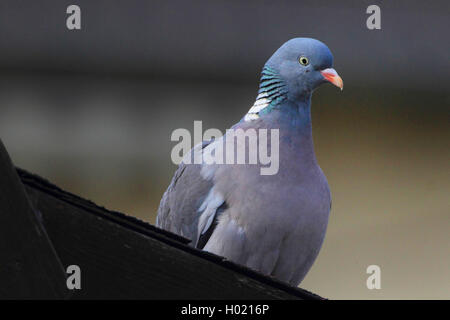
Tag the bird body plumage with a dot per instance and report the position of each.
(274, 224)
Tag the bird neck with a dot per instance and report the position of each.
(294, 122)
(295, 116)
(271, 94)
(274, 108)
(292, 119)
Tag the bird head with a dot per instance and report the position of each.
(303, 64)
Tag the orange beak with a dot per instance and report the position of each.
(331, 75)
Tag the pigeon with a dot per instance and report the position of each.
(272, 223)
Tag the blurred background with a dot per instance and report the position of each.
(92, 110)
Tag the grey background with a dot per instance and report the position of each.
(93, 110)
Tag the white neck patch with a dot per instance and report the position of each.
(262, 101)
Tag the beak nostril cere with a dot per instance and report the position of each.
(331, 76)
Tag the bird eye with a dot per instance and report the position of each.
(303, 61)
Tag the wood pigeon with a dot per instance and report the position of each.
(272, 223)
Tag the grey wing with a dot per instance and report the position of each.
(189, 206)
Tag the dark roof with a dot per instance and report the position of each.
(81, 231)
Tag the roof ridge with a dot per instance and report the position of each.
(37, 182)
